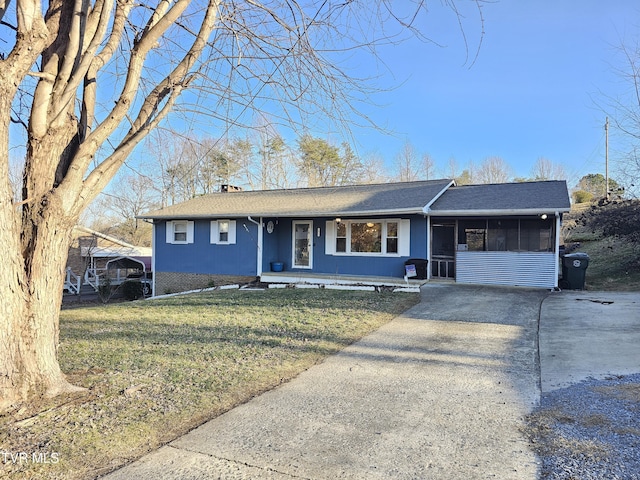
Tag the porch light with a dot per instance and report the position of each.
(338, 220)
(543, 216)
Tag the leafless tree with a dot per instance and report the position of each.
(452, 169)
(494, 170)
(88, 80)
(428, 166)
(545, 169)
(120, 208)
(374, 170)
(406, 164)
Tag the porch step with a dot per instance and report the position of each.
(298, 278)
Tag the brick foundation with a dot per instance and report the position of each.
(174, 282)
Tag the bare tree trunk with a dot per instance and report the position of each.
(31, 283)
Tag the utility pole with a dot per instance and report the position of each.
(606, 159)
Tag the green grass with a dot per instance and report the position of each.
(608, 234)
(609, 265)
(154, 370)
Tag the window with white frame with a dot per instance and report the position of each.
(223, 232)
(179, 232)
(368, 237)
(341, 237)
(392, 237)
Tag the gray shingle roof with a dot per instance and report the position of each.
(388, 198)
(508, 197)
(407, 197)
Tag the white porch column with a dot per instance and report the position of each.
(557, 250)
(428, 247)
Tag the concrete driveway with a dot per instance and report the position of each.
(588, 334)
(439, 392)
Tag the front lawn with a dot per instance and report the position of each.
(155, 370)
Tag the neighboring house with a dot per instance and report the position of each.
(91, 252)
(503, 234)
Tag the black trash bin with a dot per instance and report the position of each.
(421, 267)
(574, 270)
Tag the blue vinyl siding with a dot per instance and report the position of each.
(240, 258)
(203, 257)
(278, 245)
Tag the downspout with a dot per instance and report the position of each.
(557, 250)
(428, 246)
(153, 259)
(259, 253)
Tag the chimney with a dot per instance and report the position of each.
(229, 188)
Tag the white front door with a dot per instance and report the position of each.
(302, 247)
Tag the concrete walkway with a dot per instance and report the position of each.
(439, 392)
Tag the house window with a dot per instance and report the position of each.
(223, 232)
(392, 237)
(341, 238)
(179, 232)
(368, 237)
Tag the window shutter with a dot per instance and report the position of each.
(189, 232)
(214, 235)
(169, 231)
(330, 238)
(404, 238)
(232, 231)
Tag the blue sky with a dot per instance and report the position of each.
(532, 91)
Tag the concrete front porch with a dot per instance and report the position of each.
(326, 279)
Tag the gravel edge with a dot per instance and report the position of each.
(588, 431)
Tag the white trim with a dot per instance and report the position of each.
(190, 227)
(260, 226)
(404, 238)
(153, 259)
(170, 232)
(330, 237)
(427, 207)
(556, 249)
(493, 213)
(214, 232)
(428, 247)
(260, 240)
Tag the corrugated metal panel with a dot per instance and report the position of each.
(527, 269)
